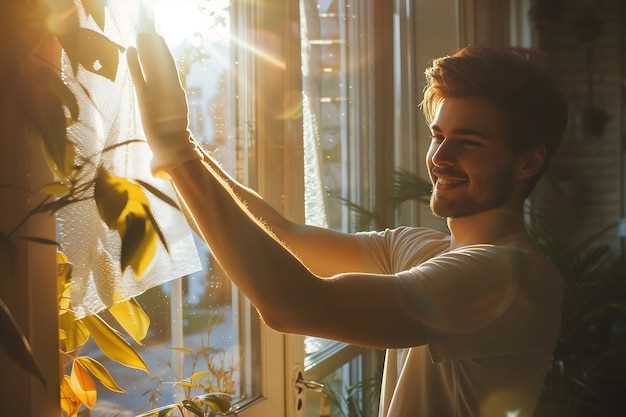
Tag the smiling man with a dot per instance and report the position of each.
(470, 319)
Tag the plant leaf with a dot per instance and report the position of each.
(82, 385)
(182, 349)
(64, 284)
(100, 372)
(138, 244)
(218, 402)
(56, 189)
(40, 240)
(50, 81)
(111, 198)
(75, 332)
(15, 344)
(93, 51)
(199, 375)
(95, 9)
(158, 193)
(132, 318)
(69, 402)
(112, 344)
(157, 229)
(191, 406)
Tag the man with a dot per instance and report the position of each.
(478, 311)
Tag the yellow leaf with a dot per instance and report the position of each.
(199, 375)
(100, 372)
(132, 318)
(182, 349)
(64, 275)
(82, 385)
(69, 402)
(111, 198)
(112, 344)
(55, 188)
(75, 332)
(138, 243)
(59, 156)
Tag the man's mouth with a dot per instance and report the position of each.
(448, 183)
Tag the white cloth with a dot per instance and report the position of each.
(107, 117)
(493, 312)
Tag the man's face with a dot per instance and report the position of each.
(470, 160)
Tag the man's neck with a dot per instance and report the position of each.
(486, 227)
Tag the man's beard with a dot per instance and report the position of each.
(493, 194)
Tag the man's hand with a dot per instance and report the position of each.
(162, 102)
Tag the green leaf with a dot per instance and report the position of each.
(111, 198)
(93, 51)
(158, 193)
(95, 9)
(40, 240)
(100, 373)
(156, 228)
(131, 316)
(112, 344)
(15, 344)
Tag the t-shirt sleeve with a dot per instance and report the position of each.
(465, 299)
(389, 250)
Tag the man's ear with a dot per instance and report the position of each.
(531, 162)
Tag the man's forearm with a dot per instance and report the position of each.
(273, 278)
(257, 207)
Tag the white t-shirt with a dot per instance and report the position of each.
(493, 312)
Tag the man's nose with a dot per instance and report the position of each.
(444, 154)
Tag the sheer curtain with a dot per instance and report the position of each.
(109, 115)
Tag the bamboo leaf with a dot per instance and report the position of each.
(82, 385)
(132, 318)
(96, 9)
(15, 344)
(112, 344)
(93, 51)
(158, 193)
(100, 372)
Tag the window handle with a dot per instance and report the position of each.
(302, 384)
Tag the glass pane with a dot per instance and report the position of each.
(336, 147)
(199, 325)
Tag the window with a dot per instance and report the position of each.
(336, 40)
(201, 326)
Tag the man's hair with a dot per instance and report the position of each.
(514, 82)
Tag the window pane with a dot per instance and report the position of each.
(337, 145)
(199, 323)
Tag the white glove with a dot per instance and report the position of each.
(162, 103)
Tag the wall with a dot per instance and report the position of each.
(584, 191)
